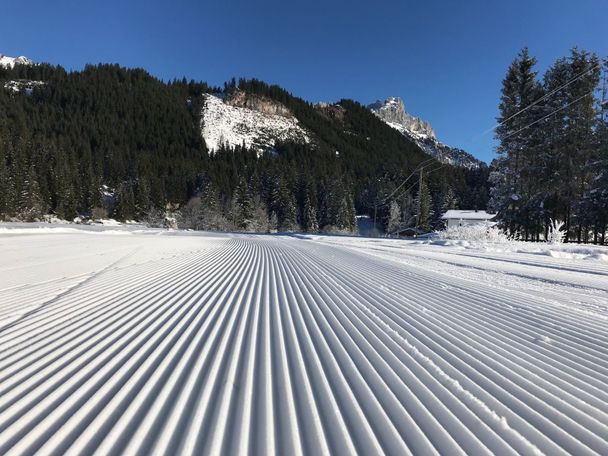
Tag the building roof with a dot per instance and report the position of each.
(467, 215)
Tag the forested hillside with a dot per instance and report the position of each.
(69, 134)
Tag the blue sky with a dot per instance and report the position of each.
(446, 59)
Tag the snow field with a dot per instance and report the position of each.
(207, 344)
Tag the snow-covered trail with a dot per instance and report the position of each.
(145, 344)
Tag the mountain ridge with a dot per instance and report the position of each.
(392, 111)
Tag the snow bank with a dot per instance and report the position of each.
(482, 232)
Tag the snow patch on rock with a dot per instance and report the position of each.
(392, 112)
(224, 124)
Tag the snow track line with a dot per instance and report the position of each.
(89, 277)
(354, 272)
(272, 345)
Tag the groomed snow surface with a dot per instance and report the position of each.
(151, 342)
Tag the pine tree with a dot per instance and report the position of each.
(423, 203)
(394, 218)
(518, 142)
(31, 204)
(212, 217)
(284, 206)
(4, 184)
(581, 138)
(125, 207)
(143, 200)
(570, 145)
(244, 206)
(310, 223)
(259, 216)
(288, 212)
(595, 199)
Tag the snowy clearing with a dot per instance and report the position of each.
(155, 342)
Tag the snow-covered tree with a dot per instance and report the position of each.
(284, 205)
(569, 145)
(243, 217)
(31, 204)
(394, 217)
(310, 222)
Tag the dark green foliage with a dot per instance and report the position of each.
(423, 203)
(104, 124)
(140, 137)
(550, 163)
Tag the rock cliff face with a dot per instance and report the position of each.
(257, 103)
(392, 111)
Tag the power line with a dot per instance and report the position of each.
(420, 165)
(403, 192)
(384, 201)
(548, 115)
(534, 103)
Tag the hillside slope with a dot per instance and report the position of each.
(71, 133)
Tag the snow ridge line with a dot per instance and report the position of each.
(77, 307)
(455, 386)
(356, 271)
(465, 438)
(69, 289)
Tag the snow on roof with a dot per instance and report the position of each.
(467, 214)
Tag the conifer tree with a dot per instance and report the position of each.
(423, 203)
(394, 218)
(31, 204)
(517, 142)
(310, 223)
(244, 206)
(569, 146)
(125, 204)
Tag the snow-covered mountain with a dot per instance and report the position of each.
(392, 111)
(10, 62)
(240, 119)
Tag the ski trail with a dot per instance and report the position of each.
(238, 344)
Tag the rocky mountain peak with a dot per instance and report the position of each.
(392, 111)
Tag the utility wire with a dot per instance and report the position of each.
(534, 103)
(549, 115)
(420, 165)
(411, 186)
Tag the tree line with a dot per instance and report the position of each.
(552, 159)
(120, 143)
